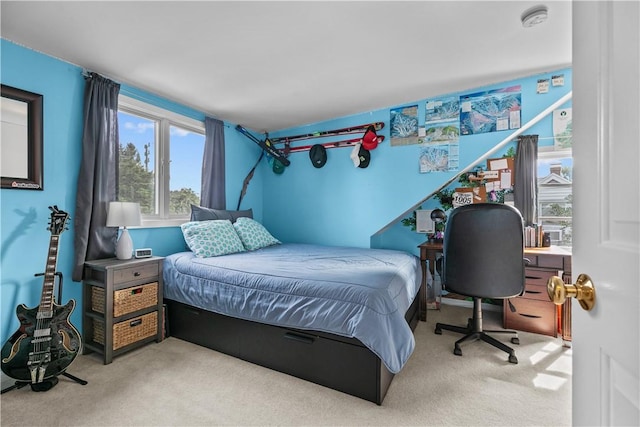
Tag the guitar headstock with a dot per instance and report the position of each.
(58, 221)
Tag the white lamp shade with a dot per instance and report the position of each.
(123, 214)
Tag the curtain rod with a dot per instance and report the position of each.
(87, 73)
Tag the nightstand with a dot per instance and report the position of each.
(122, 305)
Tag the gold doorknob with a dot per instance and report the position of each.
(584, 291)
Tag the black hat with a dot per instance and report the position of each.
(318, 155)
(364, 156)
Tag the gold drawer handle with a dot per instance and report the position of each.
(584, 291)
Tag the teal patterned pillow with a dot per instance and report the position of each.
(253, 234)
(211, 238)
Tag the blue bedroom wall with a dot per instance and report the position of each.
(335, 205)
(339, 204)
(24, 214)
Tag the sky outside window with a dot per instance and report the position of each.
(186, 149)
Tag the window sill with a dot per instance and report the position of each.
(160, 223)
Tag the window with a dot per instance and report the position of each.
(160, 161)
(555, 178)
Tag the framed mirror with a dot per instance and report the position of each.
(21, 139)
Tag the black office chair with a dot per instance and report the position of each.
(483, 258)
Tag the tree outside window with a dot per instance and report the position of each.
(150, 144)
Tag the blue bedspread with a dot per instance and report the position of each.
(352, 292)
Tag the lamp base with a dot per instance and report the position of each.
(124, 248)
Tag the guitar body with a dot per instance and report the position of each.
(46, 343)
(62, 347)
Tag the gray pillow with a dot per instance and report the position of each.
(200, 213)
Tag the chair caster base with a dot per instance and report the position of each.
(473, 331)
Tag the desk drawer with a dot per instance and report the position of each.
(531, 315)
(537, 292)
(536, 276)
(550, 261)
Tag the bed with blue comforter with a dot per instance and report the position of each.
(356, 293)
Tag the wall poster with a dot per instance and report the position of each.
(434, 159)
(440, 135)
(490, 111)
(439, 158)
(404, 125)
(562, 128)
(442, 121)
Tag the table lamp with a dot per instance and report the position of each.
(439, 217)
(124, 214)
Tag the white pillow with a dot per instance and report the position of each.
(253, 234)
(211, 238)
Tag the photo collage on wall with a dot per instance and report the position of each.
(447, 118)
(440, 135)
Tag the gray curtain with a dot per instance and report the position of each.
(525, 189)
(97, 178)
(213, 182)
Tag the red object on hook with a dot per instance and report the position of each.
(370, 139)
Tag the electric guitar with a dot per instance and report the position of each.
(46, 342)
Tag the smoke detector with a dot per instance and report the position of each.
(534, 16)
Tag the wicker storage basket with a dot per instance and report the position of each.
(126, 300)
(129, 331)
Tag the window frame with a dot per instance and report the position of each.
(164, 119)
(547, 153)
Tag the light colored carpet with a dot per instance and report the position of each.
(175, 383)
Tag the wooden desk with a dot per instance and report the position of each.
(553, 259)
(428, 252)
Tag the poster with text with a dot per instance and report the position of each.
(404, 125)
(442, 121)
(490, 111)
(562, 129)
(439, 158)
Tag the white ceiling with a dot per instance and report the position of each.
(273, 65)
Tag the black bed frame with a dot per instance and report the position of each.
(340, 363)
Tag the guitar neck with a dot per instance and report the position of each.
(47, 299)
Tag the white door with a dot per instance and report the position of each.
(606, 213)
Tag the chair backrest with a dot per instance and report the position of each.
(484, 251)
